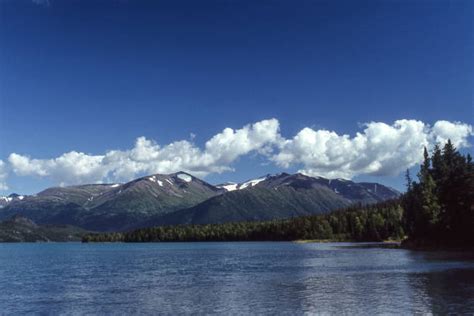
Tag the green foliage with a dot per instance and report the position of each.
(439, 208)
(358, 223)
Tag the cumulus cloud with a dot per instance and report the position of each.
(147, 157)
(457, 132)
(3, 176)
(379, 149)
(71, 167)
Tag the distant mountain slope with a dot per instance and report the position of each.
(256, 204)
(148, 196)
(5, 200)
(22, 229)
(181, 198)
(111, 207)
(364, 192)
(55, 205)
(280, 196)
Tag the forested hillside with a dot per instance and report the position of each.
(358, 223)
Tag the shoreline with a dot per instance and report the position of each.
(424, 245)
(357, 244)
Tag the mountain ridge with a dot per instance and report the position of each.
(276, 197)
(182, 198)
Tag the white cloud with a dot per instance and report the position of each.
(229, 145)
(71, 167)
(3, 176)
(147, 157)
(380, 149)
(457, 132)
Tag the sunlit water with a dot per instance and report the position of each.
(231, 278)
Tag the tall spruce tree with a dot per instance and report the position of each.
(430, 207)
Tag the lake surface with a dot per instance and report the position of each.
(235, 278)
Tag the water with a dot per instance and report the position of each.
(231, 278)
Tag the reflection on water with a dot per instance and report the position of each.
(445, 283)
(263, 278)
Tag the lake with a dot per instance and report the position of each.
(232, 278)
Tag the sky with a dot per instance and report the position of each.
(107, 91)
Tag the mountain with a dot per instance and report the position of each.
(180, 198)
(279, 196)
(149, 196)
(358, 192)
(230, 186)
(22, 229)
(4, 200)
(364, 192)
(111, 207)
(55, 205)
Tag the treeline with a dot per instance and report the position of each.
(439, 208)
(357, 223)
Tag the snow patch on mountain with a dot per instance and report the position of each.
(6, 198)
(228, 186)
(252, 183)
(155, 180)
(185, 177)
(235, 186)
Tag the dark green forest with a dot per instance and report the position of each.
(359, 223)
(437, 209)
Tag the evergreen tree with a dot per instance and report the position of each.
(440, 207)
(430, 208)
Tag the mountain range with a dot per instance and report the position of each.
(181, 198)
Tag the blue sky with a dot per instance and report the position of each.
(93, 76)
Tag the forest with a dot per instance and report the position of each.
(439, 208)
(358, 223)
(436, 210)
